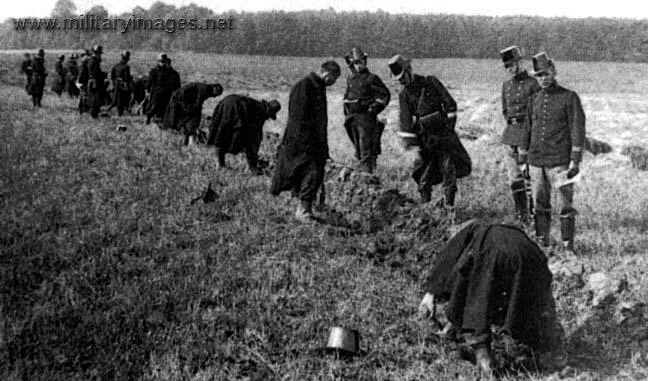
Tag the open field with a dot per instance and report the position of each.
(107, 272)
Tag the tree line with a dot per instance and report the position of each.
(331, 33)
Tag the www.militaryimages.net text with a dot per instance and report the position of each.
(93, 22)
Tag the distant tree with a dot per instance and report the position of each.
(64, 8)
(99, 11)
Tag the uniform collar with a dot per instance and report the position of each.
(521, 75)
(553, 88)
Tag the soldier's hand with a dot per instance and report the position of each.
(426, 307)
(574, 169)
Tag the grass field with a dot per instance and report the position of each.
(108, 272)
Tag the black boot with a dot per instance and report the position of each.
(521, 202)
(543, 228)
(426, 196)
(567, 230)
(450, 197)
(221, 158)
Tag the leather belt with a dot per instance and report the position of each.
(428, 116)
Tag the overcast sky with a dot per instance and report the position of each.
(619, 8)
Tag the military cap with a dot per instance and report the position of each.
(356, 54)
(41, 52)
(27, 55)
(98, 49)
(73, 56)
(512, 53)
(125, 54)
(218, 89)
(541, 63)
(163, 57)
(398, 65)
(61, 57)
(273, 106)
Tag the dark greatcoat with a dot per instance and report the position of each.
(184, 111)
(26, 68)
(421, 99)
(71, 77)
(495, 274)
(302, 154)
(122, 84)
(96, 85)
(162, 82)
(237, 125)
(58, 85)
(39, 73)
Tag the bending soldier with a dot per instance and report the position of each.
(554, 136)
(184, 111)
(427, 120)
(237, 125)
(365, 97)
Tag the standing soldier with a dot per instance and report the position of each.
(553, 139)
(83, 82)
(26, 68)
(161, 84)
(58, 85)
(428, 114)
(38, 77)
(303, 152)
(365, 97)
(122, 83)
(515, 95)
(237, 125)
(96, 84)
(72, 74)
(184, 111)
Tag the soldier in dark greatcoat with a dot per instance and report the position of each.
(365, 97)
(237, 125)
(302, 155)
(96, 82)
(515, 95)
(428, 114)
(72, 75)
(494, 275)
(554, 139)
(184, 110)
(84, 75)
(39, 73)
(26, 69)
(122, 83)
(58, 84)
(162, 82)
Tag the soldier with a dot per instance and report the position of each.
(58, 85)
(139, 94)
(494, 275)
(365, 97)
(26, 68)
(39, 73)
(237, 125)
(428, 114)
(515, 96)
(553, 139)
(184, 111)
(122, 83)
(72, 74)
(161, 84)
(303, 152)
(96, 81)
(82, 80)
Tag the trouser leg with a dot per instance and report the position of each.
(449, 172)
(541, 188)
(421, 174)
(567, 215)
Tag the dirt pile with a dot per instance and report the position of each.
(638, 156)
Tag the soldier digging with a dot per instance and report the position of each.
(515, 95)
(184, 111)
(237, 125)
(365, 97)
(553, 139)
(428, 114)
(302, 155)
